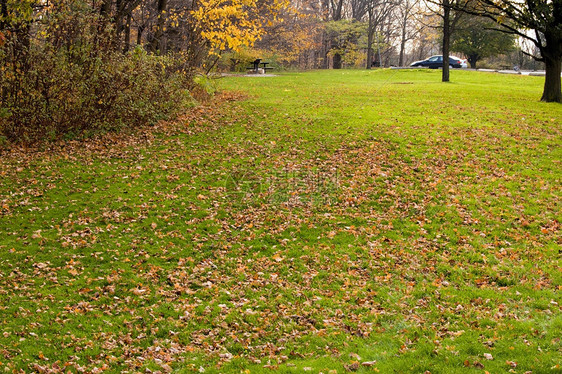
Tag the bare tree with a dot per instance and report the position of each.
(158, 43)
(337, 15)
(408, 25)
(358, 9)
(377, 12)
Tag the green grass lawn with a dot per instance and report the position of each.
(330, 221)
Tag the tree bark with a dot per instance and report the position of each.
(337, 8)
(446, 39)
(118, 23)
(552, 88)
(3, 14)
(403, 27)
(336, 61)
(326, 42)
(370, 37)
(472, 59)
(402, 48)
(158, 44)
(105, 13)
(140, 30)
(127, 34)
(325, 49)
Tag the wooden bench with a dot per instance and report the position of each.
(256, 66)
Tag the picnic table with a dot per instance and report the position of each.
(256, 66)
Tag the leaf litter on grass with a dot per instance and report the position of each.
(133, 256)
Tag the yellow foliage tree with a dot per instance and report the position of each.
(289, 38)
(233, 24)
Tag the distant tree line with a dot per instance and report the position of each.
(372, 33)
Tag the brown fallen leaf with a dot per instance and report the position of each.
(478, 365)
(138, 291)
(354, 366)
(277, 257)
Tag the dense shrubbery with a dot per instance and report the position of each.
(71, 68)
(59, 96)
(63, 78)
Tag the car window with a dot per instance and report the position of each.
(439, 58)
(433, 59)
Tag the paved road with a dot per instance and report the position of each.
(539, 73)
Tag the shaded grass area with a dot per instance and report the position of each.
(334, 220)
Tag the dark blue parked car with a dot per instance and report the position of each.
(435, 62)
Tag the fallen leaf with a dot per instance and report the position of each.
(277, 257)
(354, 366)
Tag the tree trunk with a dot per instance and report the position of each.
(118, 24)
(403, 39)
(127, 34)
(446, 39)
(158, 44)
(369, 49)
(326, 45)
(140, 30)
(337, 10)
(3, 14)
(3, 26)
(472, 59)
(402, 48)
(336, 16)
(336, 61)
(552, 88)
(105, 13)
(370, 37)
(422, 55)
